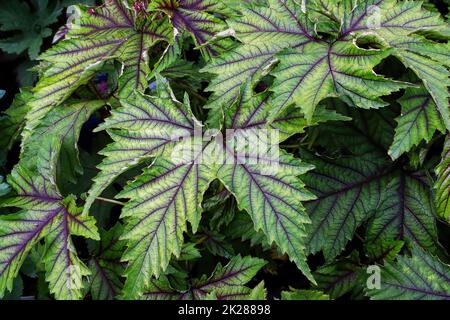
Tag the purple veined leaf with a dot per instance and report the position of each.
(143, 128)
(396, 25)
(105, 264)
(12, 123)
(347, 194)
(341, 277)
(169, 192)
(281, 23)
(197, 17)
(419, 120)
(347, 186)
(233, 70)
(264, 31)
(64, 125)
(44, 214)
(251, 112)
(419, 277)
(226, 283)
(163, 199)
(271, 197)
(442, 184)
(60, 34)
(405, 213)
(100, 34)
(363, 185)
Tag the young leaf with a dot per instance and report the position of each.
(340, 277)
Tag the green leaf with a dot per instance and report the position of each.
(4, 187)
(269, 191)
(199, 19)
(12, 123)
(105, 265)
(386, 249)
(405, 213)
(216, 243)
(320, 70)
(419, 120)
(235, 68)
(347, 193)
(442, 185)
(163, 199)
(340, 277)
(110, 32)
(64, 125)
(44, 214)
(28, 24)
(297, 294)
(242, 228)
(169, 192)
(144, 127)
(258, 293)
(225, 283)
(419, 277)
(395, 24)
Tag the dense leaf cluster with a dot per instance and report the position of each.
(97, 206)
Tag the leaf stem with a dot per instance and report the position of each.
(110, 201)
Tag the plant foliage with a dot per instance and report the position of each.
(106, 192)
